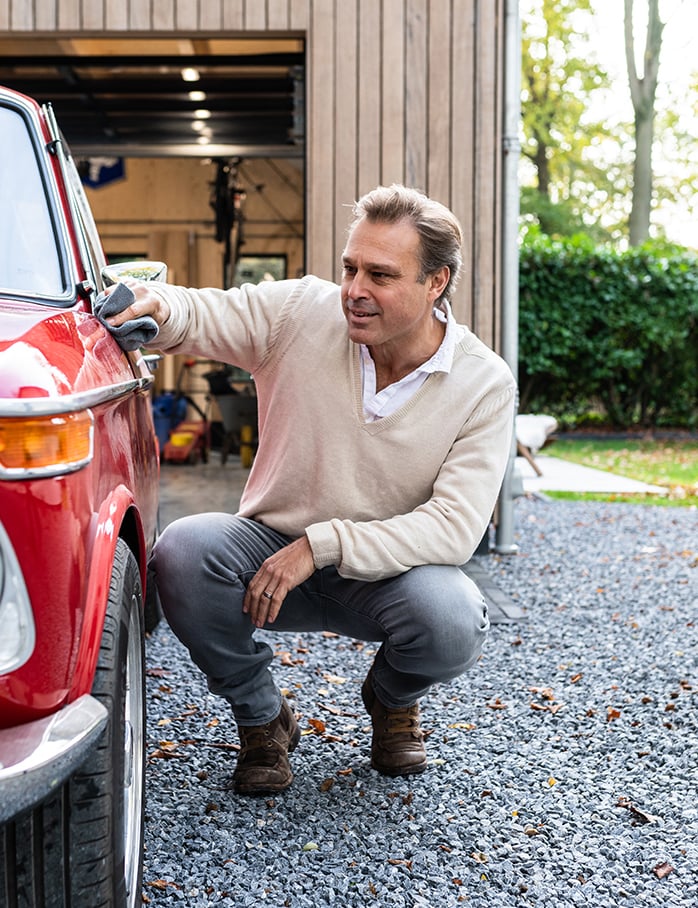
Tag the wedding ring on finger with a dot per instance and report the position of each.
(267, 595)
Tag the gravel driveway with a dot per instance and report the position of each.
(563, 768)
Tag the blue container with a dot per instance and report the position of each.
(168, 411)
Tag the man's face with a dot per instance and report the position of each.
(383, 302)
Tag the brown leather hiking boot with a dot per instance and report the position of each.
(397, 746)
(263, 760)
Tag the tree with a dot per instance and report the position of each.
(643, 89)
(558, 78)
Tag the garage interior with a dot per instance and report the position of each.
(191, 151)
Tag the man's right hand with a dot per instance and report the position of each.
(146, 303)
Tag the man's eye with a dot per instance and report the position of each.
(348, 269)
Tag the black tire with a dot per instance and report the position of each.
(152, 612)
(84, 845)
(107, 795)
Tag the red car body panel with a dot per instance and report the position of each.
(64, 528)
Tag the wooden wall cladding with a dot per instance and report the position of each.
(396, 90)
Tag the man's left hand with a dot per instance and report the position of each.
(278, 575)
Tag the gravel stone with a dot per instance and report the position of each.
(562, 767)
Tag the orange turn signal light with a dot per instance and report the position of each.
(47, 445)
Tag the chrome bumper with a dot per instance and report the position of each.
(36, 758)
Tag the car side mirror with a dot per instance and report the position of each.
(141, 271)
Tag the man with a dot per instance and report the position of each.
(384, 432)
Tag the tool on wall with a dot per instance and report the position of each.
(227, 197)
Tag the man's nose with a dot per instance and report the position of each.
(356, 288)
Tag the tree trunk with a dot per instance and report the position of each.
(642, 92)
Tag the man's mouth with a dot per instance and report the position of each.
(360, 313)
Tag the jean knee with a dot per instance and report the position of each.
(455, 629)
(179, 565)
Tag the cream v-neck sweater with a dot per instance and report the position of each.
(373, 498)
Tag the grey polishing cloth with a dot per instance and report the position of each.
(133, 333)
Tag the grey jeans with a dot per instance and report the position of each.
(431, 621)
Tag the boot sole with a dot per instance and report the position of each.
(395, 771)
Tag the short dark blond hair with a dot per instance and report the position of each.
(440, 233)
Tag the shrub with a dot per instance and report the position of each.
(603, 327)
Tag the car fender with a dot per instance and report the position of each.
(112, 520)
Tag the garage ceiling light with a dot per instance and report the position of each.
(189, 74)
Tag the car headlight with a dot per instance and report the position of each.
(17, 633)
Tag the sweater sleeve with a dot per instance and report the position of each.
(445, 529)
(235, 326)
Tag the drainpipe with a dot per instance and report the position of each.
(511, 486)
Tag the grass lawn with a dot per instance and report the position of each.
(670, 464)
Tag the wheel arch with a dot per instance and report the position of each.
(118, 518)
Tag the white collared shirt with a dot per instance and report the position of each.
(390, 399)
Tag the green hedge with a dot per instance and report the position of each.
(609, 331)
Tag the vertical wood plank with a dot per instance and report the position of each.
(369, 120)
(21, 15)
(498, 182)
(93, 14)
(461, 153)
(5, 22)
(415, 93)
(439, 113)
(346, 50)
(164, 15)
(232, 15)
(211, 15)
(485, 151)
(187, 15)
(322, 215)
(116, 16)
(277, 15)
(69, 14)
(255, 16)
(299, 14)
(139, 16)
(393, 88)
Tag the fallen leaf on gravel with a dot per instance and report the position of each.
(612, 713)
(496, 704)
(400, 862)
(639, 814)
(577, 677)
(310, 846)
(479, 857)
(545, 692)
(468, 726)
(318, 726)
(157, 672)
(330, 635)
(335, 710)
(333, 679)
(326, 785)
(166, 750)
(662, 870)
(162, 884)
(345, 772)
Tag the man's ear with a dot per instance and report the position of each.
(438, 281)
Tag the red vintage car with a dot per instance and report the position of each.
(79, 470)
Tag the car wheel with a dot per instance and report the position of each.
(84, 845)
(107, 794)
